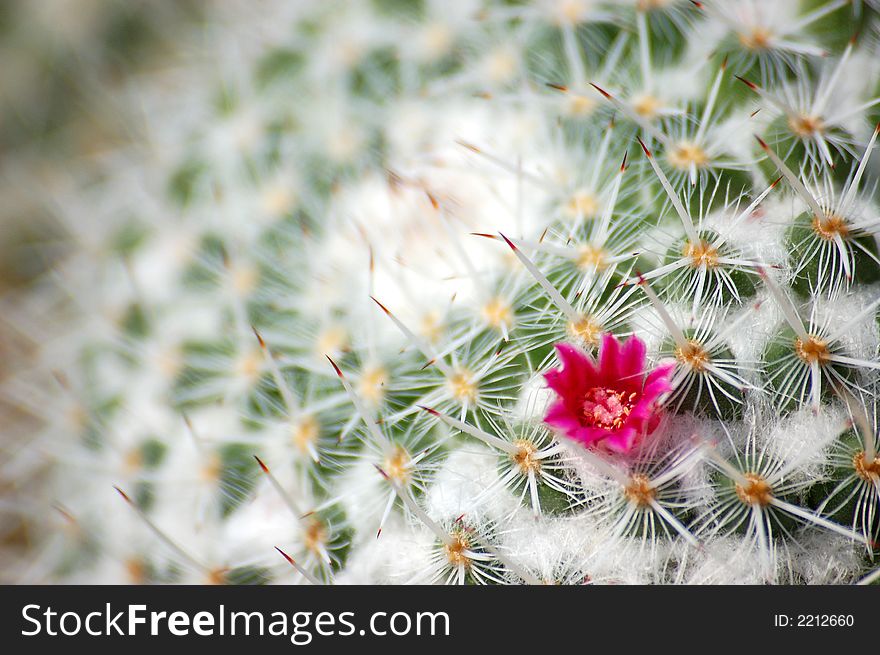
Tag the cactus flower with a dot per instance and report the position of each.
(610, 403)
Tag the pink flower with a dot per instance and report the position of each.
(612, 403)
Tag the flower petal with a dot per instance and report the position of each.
(632, 358)
(621, 441)
(589, 435)
(609, 360)
(559, 416)
(576, 373)
(658, 381)
(642, 410)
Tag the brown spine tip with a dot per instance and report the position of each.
(286, 556)
(698, 5)
(379, 468)
(394, 180)
(381, 306)
(762, 143)
(335, 367)
(434, 203)
(259, 337)
(748, 83)
(724, 63)
(484, 235)
(64, 513)
(558, 87)
(124, 495)
(644, 147)
(623, 163)
(61, 379)
(430, 410)
(262, 465)
(469, 146)
(877, 128)
(776, 181)
(601, 90)
(509, 242)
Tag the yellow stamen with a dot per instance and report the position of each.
(830, 227)
(813, 350)
(463, 386)
(586, 330)
(277, 201)
(639, 490)
(497, 313)
(304, 432)
(686, 154)
(867, 472)
(647, 106)
(397, 465)
(577, 105)
(431, 327)
(758, 39)
(524, 457)
(701, 254)
(589, 258)
(692, 355)
(211, 469)
(806, 126)
(332, 340)
(244, 279)
(455, 551)
(249, 365)
(755, 492)
(315, 537)
(372, 385)
(582, 203)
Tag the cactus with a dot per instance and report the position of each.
(492, 292)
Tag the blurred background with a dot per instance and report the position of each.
(63, 64)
